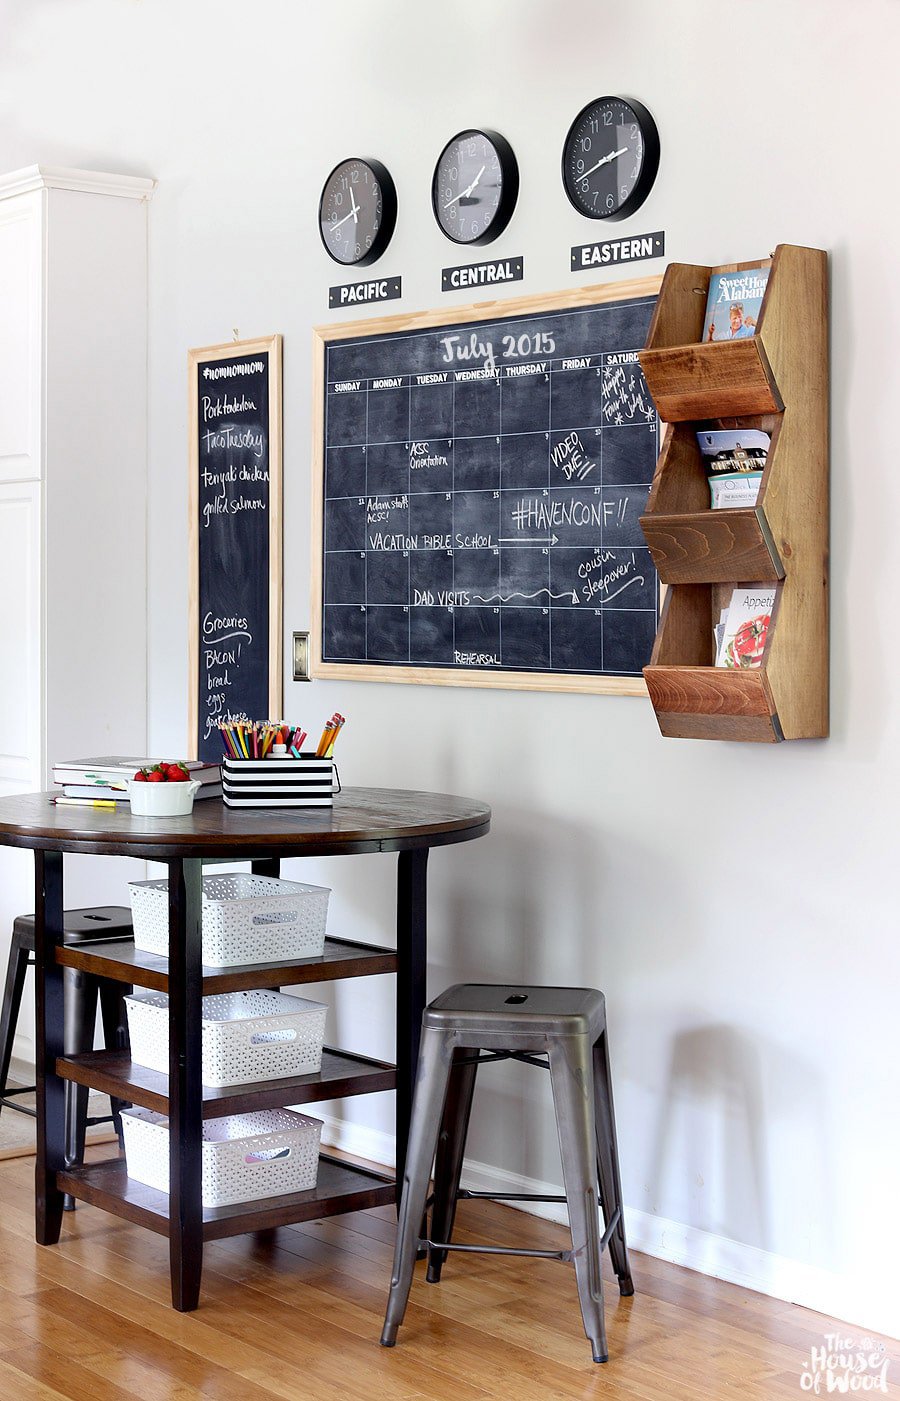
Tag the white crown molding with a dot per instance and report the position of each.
(57, 177)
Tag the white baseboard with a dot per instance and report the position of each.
(811, 1287)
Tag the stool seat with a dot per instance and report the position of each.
(517, 1010)
(562, 1030)
(95, 924)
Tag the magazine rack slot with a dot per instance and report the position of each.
(703, 554)
(693, 698)
(706, 381)
(689, 542)
(712, 545)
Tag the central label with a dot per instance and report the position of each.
(482, 274)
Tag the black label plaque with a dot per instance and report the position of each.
(376, 289)
(492, 274)
(635, 249)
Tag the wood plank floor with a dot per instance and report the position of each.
(297, 1314)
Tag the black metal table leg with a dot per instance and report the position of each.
(412, 952)
(51, 1098)
(185, 1083)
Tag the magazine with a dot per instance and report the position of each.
(733, 303)
(733, 449)
(746, 627)
(734, 489)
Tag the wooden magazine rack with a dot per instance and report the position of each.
(778, 381)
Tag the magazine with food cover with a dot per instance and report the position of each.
(746, 628)
(733, 303)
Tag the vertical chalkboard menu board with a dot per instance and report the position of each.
(478, 484)
(235, 536)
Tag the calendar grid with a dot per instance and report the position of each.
(502, 530)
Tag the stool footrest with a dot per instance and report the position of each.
(464, 1195)
(566, 1255)
(537, 1058)
(613, 1223)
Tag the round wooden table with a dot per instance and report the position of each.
(362, 820)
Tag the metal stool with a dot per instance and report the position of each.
(82, 991)
(568, 1027)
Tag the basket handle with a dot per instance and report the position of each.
(268, 1155)
(269, 1038)
(276, 917)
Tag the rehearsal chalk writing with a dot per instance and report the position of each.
(232, 454)
(482, 488)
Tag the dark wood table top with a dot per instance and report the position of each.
(362, 820)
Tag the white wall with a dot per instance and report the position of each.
(754, 1021)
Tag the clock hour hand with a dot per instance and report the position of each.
(351, 215)
(464, 194)
(605, 161)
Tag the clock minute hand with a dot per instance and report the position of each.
(605, 161)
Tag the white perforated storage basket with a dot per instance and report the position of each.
(244, 1156)
(247, 1036)
(246, 919)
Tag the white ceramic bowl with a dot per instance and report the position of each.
(162, 799)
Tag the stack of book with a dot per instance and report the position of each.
(86, 782)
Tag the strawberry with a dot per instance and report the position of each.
(140, 777)
(177, 774)
(156, 776)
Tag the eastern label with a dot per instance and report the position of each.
(618, 250)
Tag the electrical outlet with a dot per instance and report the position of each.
(301, 656)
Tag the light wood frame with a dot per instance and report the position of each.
(231, 350)
(422, 321)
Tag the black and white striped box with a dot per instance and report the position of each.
(306, 782)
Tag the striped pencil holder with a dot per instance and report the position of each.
(306, 782)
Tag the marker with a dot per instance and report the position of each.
(84, 802)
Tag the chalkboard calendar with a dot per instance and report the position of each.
(235, 536)
(477, 492)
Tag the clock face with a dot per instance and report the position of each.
(357, 212)
(610, 158)
(475, 187)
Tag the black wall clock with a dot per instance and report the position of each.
(357, 211)
(610, 158)
(475, 187)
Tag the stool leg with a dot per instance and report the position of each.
(80, 997)
(449, 1158)
(608, 1159)
(573, 1099)
(428, 1102)
(115, 1037)
(12, 1001)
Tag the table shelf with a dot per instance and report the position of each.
(341, 1187)
(343, 1074)
(125, 964)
